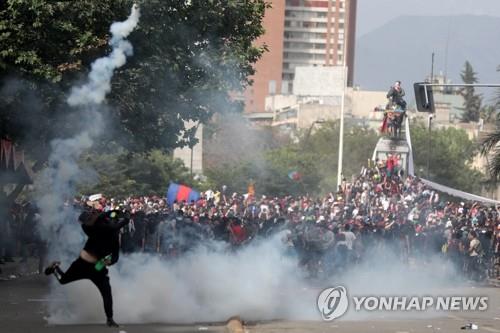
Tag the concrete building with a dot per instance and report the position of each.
(301, 33)
(259, 119)
(269, 68)
(303, 115)
(318, 33)
(318, 96)
(361, 103)
(319, 82)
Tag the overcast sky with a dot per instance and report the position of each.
(375, 13)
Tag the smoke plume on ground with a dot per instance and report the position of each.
(259, 282)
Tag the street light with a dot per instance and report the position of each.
(429, 152)
(342, 106)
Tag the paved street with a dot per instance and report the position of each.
(23, 301)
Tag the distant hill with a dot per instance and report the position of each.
(402, 48)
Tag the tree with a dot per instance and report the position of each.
(491, 149)
(450, 158)
(314, 157)
(122, 174)
(472, 101)
(44, 45)
(188, 56)
(489, 114)
(496, 103)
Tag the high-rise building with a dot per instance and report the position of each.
(302, 33)
(269, 68)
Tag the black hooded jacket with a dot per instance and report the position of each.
(103, 235)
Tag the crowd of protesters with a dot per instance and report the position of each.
(379, 211)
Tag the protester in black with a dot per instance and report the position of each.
(102, 230)
(396, 94)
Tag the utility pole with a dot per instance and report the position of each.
(341, 134)
(429, 152)
(432, 68)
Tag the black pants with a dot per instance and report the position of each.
(80, 269)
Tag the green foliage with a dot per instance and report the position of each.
(489, 114)
(472, 101)
(188, 55)
(490, 149)
(359, 143)
(45, 39)
(450, 153)
(314, 156)
(123, 174)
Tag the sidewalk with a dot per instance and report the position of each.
(16, 269)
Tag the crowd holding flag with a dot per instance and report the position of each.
(181, 193)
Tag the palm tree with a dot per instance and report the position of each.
(490, 148)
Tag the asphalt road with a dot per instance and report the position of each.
(23, 302)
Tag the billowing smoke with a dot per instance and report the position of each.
(383, 272)
(99, 81)
(260, 282)
(56, 185)
(257, 282)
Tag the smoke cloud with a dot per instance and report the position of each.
(259, 282)
(99, 80)
(56, 184)
(210, 284)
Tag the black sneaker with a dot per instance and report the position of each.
(51, 269)
(111, 323)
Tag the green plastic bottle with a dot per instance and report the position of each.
(100, 264)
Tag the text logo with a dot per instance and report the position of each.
(333, 303)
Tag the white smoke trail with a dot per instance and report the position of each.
(56, 184)
(99, 85)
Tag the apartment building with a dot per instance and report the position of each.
(302, 33)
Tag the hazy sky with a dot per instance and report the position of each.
(375, 13)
